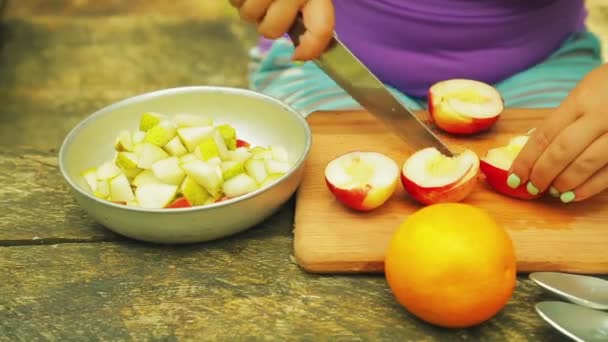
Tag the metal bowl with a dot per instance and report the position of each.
(257, 118)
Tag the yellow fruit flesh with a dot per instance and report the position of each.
(467, 95)
(359, 171)
(441, 166)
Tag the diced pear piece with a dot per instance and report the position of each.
(207, 175)
(261, 153)
(132, 173)
(90, 177)
(124, 142)
(155, 196)
(193, 192)
(192, 136)
(279, 153)
(207, 149)
(186, 158)
(120, 189)
(145, 177)
(107, 170)
(273, 166)
(149, 120)
(229, 134)
(126, 160)
(175, 147)
(103, 189)
(256, 168)
(161, 134)
(222, 149)
(191, 120)
(168, 171)
(239, 185)
(149, 155)
(138, 137)
(241, 154)
(271, 179)
(231, 168)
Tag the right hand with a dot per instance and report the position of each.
(274, 18)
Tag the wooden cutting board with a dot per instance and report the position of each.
(329, 238)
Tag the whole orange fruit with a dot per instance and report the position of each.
(451, 265)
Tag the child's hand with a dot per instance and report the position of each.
(274, 18)
(569, 151)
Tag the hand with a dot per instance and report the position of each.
(274, 18)
(568, 153)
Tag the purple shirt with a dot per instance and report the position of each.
(411, 44)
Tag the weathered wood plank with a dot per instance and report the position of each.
(56, 71)
(36, 206)
(230, 290)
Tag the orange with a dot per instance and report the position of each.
(451, 265)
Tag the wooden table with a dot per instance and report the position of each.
(64, 277)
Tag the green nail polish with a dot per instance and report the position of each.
(532, 190)
(553, 192)
(567, 197)
(513, 181)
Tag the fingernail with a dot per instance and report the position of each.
(298, 63)
(553, 192)
(532, 190)
(513, 181)
(567, 197)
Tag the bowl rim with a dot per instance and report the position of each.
(169, 91)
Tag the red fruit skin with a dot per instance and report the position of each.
(450, 193)
(497, 179)
(458, 127)
(242, 143)
(181, 202)
(221, 199)
(353, 198)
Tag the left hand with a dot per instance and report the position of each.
(568, 153)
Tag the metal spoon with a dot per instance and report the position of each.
(583, 290)
(575, 321)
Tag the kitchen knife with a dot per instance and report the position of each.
(339, 63)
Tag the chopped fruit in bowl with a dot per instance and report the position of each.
(463, 106)
(362, 180)
(495, 166)
(430, 177)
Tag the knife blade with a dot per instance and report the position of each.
(340, 64)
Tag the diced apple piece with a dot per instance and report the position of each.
(132, 173)
(270, 179)
(279, 153)
(240, 154)
(120, 189)
(229, 134)
(90, 177)
(168, 171)
(207, 149)
(146, 177)
(242, 143)
(155, 196)
(161, 134)
(215, 161)
(221, 144)
(175, 147)
(149, 155)
(107, 170)
(239, 185)
(463, 106)
(191, 120)
(256, 168)
(181, 202)
(261, 153)
(192, 191)
(186, 158)
(192, 136)
(124, 142)
(133, 203)
(430, 177)
(138, 138)
(102, 189)
(361, 180)
(149, 120)
(126, 160)
(207, 175)
(231, 169)
(495, 166)
(273, 166)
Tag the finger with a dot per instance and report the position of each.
(319, 20)
(584, 166)
(539, 140)
(279, 18)
(254, 10)
(562, 151)
(592, 187)
(237, 3)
